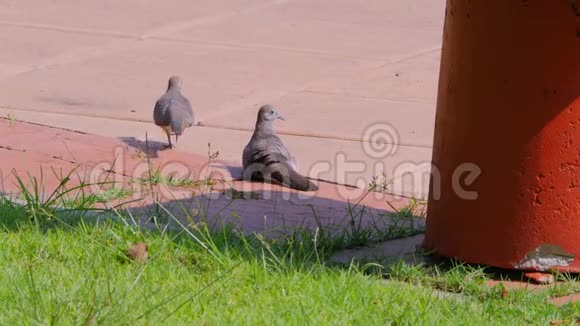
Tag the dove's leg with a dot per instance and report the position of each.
(168, 133)
(169, 145)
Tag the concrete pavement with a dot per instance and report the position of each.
(335, 68)
(93, 164)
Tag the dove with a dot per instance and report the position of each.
(173, 112)
(266, 159)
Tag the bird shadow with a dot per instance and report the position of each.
(151, 147)
(236, 172)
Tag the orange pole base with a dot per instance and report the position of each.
(509, 104)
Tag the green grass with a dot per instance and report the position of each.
(155, 178)
(104, 196)
(64, 266)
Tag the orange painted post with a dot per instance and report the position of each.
(509, 105)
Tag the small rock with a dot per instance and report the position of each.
(138, 252)
(133, 111)
(541, 278)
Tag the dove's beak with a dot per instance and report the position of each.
(280, 116)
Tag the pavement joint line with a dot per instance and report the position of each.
(13, 149)
(46, 126)
(72, 57)
(255, 46)
(210, 126)
(381, 99)
(305, 87)
(21, 150)
(413, 55)
(84, 115)
(72, 30)
(310, 135)
(78, 54)
(211, 19)
(161, 38)
(236, 46)
(167, 28)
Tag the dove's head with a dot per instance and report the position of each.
(269, 113)
(175, 82)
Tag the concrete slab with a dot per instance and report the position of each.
(413, 80)
(32, 47)
(393, 250)
(393, 123)
(333, 27)
(128, 17)
(215, 80)
(421, 14)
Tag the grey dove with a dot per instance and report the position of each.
(173, 112)
(266, 159)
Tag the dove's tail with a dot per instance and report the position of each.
(280, 173)
(297, 181)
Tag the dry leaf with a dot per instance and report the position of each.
(138, 252)
(504, 293)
